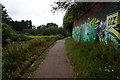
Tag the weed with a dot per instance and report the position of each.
(17, 57)
(93, 60)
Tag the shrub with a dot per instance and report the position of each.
(23, 37)
(17, 57)
(8, 34)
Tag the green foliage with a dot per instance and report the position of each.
(90, 60)
(23, 37)
(31, 31)
(8, 34)
(57, 37)
(68, 21)
(17, 57)
(61, 5)
(21, 25)
(16, 25)
(51, 25)
(47, 25)
(53, 30)
(5, 17)
(46, 31)
(76, 8)
(34, 67)
(73, 11)
(63, 32)
(60, 36)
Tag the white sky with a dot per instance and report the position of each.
(39, 11)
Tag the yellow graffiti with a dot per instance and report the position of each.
(88, 21)
(112, 20)
(101, 38)
(95, 21)
(110, 29)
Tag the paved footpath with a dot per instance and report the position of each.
(56, 64)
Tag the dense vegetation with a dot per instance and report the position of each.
(47, 30)
(19, 30)
(17, 57)
(90, 60)
(22, 43)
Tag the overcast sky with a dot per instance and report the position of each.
(39, 11)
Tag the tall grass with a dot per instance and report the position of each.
(90, 60)
(17, 57)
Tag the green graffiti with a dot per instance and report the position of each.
(110, 38)
(84, 33)
(76, 34)
(95, 30)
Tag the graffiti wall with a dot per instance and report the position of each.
(96, 30)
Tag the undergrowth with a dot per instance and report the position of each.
(90, 60)
(17, 57)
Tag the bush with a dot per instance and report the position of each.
(17, 57)
(60, 36)
(8, 34)
(23, 37)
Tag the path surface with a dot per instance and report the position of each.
(56, 64)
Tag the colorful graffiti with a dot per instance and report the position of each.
(113, 28)
(98, 30)
(84, 32)
(113, 23)
(76, 33)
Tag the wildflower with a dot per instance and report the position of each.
(105, 69)
(109, 65)
(117, 77)
(108, 70)
(99, 68)
(112, 70)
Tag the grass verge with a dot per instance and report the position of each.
(39, 36)
(90, 60)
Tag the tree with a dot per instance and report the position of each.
(8, 34)
(5, 17)
(21, 25)
(53, 30)
(28, 24)
(63, 32)
(76, 8)
(51, 25)
(68, 21)
(46, 32)
(33, 27)
(41, 26)
(73, 11)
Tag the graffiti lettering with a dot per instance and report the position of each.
(112, 20)
(96, 30)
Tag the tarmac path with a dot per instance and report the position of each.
(56, 63)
